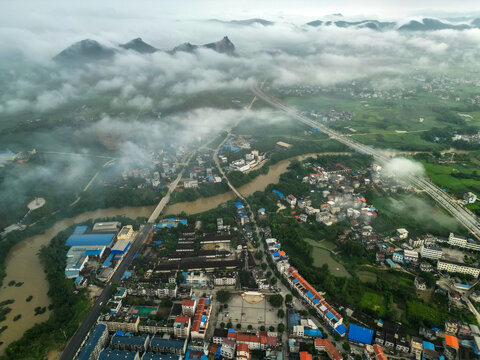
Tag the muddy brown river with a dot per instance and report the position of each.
(23, 264)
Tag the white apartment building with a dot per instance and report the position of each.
(457, 268)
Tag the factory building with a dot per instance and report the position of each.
(91, 240)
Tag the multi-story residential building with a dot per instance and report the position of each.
(181, 326)
(460, 241)
(94, 344)
(327, 312)
(197, 279)
(431, 252)
(243, 352)
(326, 346)
(410, 256)
(120, 321)
(228, 349)
(402, 233)
(417, 347)
(154, 326)
(136, 343)
(397, 257)
(420, 284)
(224, 279)
(201, 319)
(167, 345)
(454, 267)
(188, 307)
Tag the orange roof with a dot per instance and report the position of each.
(197, 320)
(305, 355)
(281, 252)
(329, 348)
(379, 352)
(451, 341)
(188, 303)
(242, 347)
(182, 319)
(248, 338)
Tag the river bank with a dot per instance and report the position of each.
(23, 264)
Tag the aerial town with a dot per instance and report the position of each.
(251, 180)
(232, 293)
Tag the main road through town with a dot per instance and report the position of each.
(458, 211)
(78, 338)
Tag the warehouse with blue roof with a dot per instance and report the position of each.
(90, 240)
(360, 334)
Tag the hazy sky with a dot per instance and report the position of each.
(31, 14)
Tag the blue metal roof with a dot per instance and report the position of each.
(129, 340)
(278, 193)
(360, 334)
(313, 332)
(93, 252)
(428, 345)
(112, 354)
(80, 229)
(309, 294)
(341, 330)
(154, 356)
(170, 343)
(91, 342)
(90, 239)
(108, 260)
(293, 318)
(78, 280)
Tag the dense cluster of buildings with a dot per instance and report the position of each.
(97, 251)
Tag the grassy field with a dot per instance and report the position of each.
(367, 276)
(324, 244)
(441, 175)
(373, 301)
(418, 214)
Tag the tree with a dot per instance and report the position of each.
(269, 273)
(262, 328)
(273, 281)
(180, 277)
(288, 298)
(280, 313)
(264, 266)
(271, 328)
(258, 254)
(250, 327)
(223, 296)
(229, 325)
(222, 325)
(346, 346)
(281, 327)
(239, 326)
(276, 300)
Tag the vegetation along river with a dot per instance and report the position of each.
(23, 264)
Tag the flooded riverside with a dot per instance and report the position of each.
(23, 264)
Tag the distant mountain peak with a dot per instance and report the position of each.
(429, 24)
(138, 45)
(84, 51)
(224, 46)
(245, 22)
